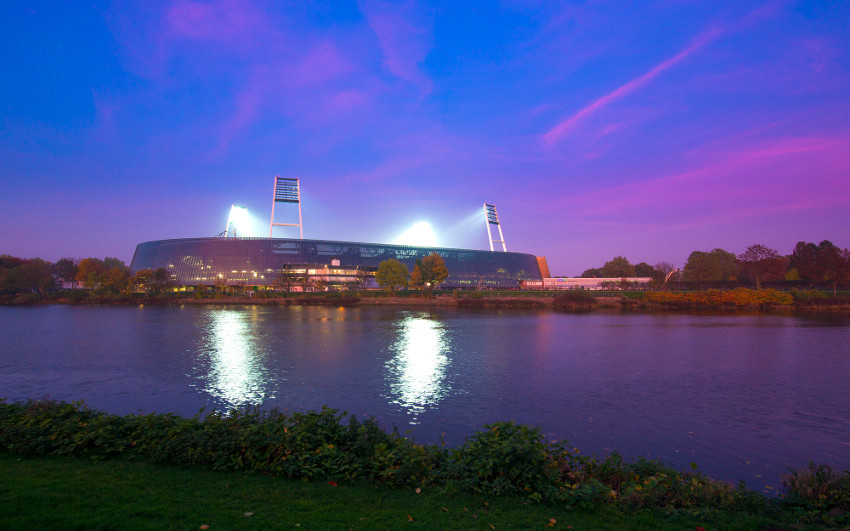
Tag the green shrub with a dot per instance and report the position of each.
(506, 457)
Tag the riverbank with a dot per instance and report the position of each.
(736, 300)
(506, 475)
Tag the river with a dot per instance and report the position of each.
(743, 396)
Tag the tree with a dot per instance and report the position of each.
(429, 272)
(645, 270)
(320, 284)
(361, 279)
(304, 280)
(617, 267)
(760, 262)
(392, 275)
(821, 263)
(116, 279)
(715, 266)
(111, 262)
(287, 278)
(91, 271)
(142, 280)
(161, 279)
(592, 273)
(34, 275)
(65, 269)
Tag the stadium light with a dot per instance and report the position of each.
(420, 234)
(238, 222)
(493, 219)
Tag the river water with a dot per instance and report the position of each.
(743, 396)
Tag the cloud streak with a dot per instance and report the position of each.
(563, 129)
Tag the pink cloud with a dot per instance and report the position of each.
(405, 38)
(804, 173)
(564, 128)
(225, 20)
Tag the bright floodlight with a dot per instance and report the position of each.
(238, 222)
(420, 234)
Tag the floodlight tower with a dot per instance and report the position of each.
(237, 220)
(286, 191)
(492, 218)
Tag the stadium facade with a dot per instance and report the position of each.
(259, 262)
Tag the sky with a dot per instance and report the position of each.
(598, 129)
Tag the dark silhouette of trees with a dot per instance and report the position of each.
(65, 269)
(715, 266)
(617, 267)
(822, 263)
(760, 263)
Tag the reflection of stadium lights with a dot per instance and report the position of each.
(420, 233)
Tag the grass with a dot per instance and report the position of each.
(69, 493)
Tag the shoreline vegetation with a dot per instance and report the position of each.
(731, 300)
(509, 465)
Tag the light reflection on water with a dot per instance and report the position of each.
(416, 373)
(231, 359)
(745, 397)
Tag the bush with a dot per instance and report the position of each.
(504, 458)
(713, 298)
(818, 486)
(507, 457)
(807, 295)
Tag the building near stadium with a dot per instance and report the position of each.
(259, 262)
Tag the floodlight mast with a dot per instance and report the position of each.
(492, 218)
(230, 228)
(286, 191)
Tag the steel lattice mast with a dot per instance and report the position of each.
(492, 218)
(286, 190)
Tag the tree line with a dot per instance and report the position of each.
(108, 275)
(823, 263)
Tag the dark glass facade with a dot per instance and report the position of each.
(259, 261)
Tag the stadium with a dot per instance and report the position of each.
(258, 263)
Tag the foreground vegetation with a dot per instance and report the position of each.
(63, 493)
(507, 462)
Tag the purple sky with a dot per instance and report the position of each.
(648, 129)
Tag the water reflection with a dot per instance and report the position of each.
(236, 374)
(417, 370)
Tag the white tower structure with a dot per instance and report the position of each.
(492, 218)
(286, 191)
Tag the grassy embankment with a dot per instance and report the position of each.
(354, 474)
(67, 493)
(581, 300)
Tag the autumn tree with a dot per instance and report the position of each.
(392, 275)
(91, 271)
(715, 266)
(760, 263)
(429, 272)
(116, 279)
(142, 280)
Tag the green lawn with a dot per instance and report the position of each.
(67, 493)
